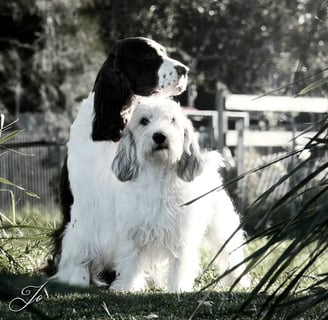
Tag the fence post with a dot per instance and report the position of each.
(220, 106)
(240, 127)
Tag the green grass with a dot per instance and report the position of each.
(25, 246)
(24, 240)
(68, 303)
(73, 303)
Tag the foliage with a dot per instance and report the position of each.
(48, 67)
(20, 245)
(29, 247)
(49, 63)
(24, 241)
(5, 137)
(11, 228)
(250, 46)
(313, 86)
(292, 278)
(307, 227)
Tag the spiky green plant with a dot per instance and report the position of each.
(297, 280)
(307, 229)
(12, 231)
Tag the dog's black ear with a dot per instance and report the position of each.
(125, 164)
(112, 94)
(191, 163)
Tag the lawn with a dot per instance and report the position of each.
(95, 303)
(61, 302)
(24, 250)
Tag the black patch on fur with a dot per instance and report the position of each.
(108, 276)
(66, 201)
(131, 68)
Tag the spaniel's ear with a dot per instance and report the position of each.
(191, 163)
(112, 94)
(125, 165)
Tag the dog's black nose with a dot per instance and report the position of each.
(159, 137)
(181, 70)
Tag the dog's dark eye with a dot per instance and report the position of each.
(173, 120)
(144, 121)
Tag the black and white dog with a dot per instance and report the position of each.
(135, 66)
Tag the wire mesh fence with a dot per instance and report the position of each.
(35, 166)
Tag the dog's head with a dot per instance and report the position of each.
(148, 68)
(158, 135)
(135, 66)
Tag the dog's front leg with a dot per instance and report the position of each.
(73, 267)
(129, 275)
(183, 271)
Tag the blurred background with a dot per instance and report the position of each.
(51, 51)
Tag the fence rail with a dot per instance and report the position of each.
(248, 103)
(243, 137)
(35, 164)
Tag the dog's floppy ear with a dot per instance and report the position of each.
(191, 163)
(125, 165)
(112, 94)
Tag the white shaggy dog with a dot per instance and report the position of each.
(139, 227)
(152, 238)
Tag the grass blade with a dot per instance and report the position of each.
(313, 86)
(9, 183)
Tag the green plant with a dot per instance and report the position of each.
(293, 284)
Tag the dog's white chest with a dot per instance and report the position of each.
(154, 216)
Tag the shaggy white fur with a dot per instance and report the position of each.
(156, 239)
(137, 224)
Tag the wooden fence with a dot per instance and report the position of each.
(244, 137)
(35, 165)
(237, 108)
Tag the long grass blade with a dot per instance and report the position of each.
(290, 84)
(9, 183)
(313, 86)
(301, 184)
(233, 181)
(9, 136)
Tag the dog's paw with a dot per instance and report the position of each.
(229, 280)
(99, 283)
(74, 276)
(134, 286)
(245, 282)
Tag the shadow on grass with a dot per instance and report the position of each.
(50, 300)
(62, 302)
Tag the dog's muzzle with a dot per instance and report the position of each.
(160, 141)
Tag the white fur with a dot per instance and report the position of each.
(170, 82)
(139, 227)
(91, 182)
(157, 239)
(93, 186)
